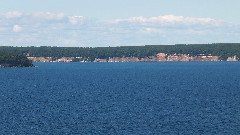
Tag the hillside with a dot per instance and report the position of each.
(223, 50)
(7, 60)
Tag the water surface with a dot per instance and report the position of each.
(121, 98)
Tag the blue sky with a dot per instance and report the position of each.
(117, 23)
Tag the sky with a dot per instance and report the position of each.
(93, 23)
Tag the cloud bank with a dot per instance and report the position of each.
(167, 20)
(58, 29)
(13, 14)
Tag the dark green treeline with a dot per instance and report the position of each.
(10, 60)
(223, 50)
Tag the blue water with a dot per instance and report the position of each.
(121, 98)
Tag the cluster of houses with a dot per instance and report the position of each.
(160, 57)
(50, 59)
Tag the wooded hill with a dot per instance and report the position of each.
(7, 60)
(223, 50)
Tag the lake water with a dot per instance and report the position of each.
(121, 98)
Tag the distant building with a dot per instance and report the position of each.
(40, 59)
(161, 57)
(65, 59)
(233, 58)
(100, 60)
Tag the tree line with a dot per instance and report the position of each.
(223, 50)
(10, 60)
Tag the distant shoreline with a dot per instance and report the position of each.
(147, 53)
(13, 66)
(160, 57)
(149, 62)
(14, 61)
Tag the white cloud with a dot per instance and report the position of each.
(17, 28)
(48, 28)
(14, 14)
(167, 20)
(76, 19)
(151, 30)
(48, 15)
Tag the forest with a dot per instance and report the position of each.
(223, 50)
(7, 60)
